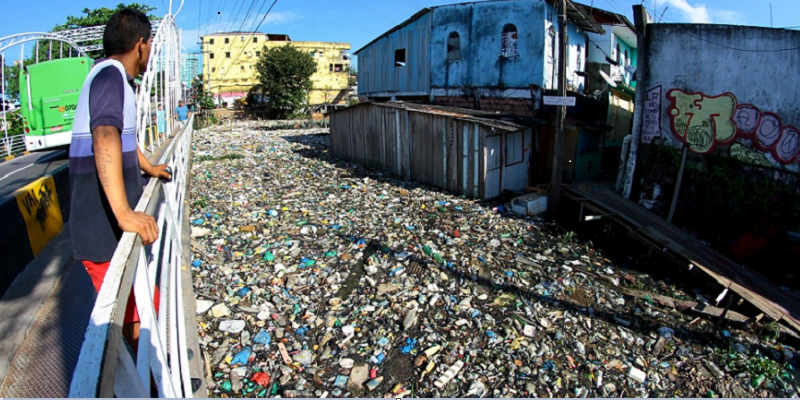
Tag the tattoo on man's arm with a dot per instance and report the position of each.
(104, 161)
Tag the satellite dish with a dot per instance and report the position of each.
(608, 79)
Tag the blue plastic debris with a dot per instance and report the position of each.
(242, 357)
(243, 291)
(301, 331)
(197, 263)
(377, 360)
(549, 365)
(273, 213)
(410, 345)
(666, 333)
(340, 381)
(263, 337)
(198, 221)
(383, 342)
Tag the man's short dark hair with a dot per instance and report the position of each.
(123, 31)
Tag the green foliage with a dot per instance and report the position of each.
(90, 17)
(232, 156)
(755, 364)
(11, 74)
(720, 193)
(14, 121)
(205, 100)
(284, 74)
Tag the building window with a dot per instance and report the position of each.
(453, 46)
(227, 55)
(227, 40)
(400, 58)
(258, 54)
(241, 38)
(211, 55)
(509, 42)
(338, 68)
(255, 39)
(619, 55)
(211, 41)
(222, 70)
(330, 68)
(242, 69)
(213, 69)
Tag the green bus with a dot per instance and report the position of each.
(49, 94)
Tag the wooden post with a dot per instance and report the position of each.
(558, 146)
(678, 184)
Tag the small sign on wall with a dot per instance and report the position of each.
(567, 101)
(651, 123)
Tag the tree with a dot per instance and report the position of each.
(95, 17)
(284, 75)
(12, 74)
(205, 100)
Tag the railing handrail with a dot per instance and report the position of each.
(102, 351)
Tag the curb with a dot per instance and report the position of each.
(13, 156)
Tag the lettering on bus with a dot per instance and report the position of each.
(68, 107)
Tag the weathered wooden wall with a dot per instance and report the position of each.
(434, 149)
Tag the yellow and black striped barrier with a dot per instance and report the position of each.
(32, 217)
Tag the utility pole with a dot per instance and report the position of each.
(558, 146)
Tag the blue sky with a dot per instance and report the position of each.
(359, 21)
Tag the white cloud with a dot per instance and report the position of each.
(699, 13)
(695, 14)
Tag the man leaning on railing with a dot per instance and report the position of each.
(104, 153)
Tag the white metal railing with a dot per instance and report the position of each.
(105, 368)
(13, 145)
(163, 77)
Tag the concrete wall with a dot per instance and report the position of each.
(480, 26)
(723, 89)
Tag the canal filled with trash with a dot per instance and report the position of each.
(319, 278)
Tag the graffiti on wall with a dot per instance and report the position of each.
(704, 122)
(701, 121)
(651, 127)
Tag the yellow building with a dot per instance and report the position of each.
(229, 65)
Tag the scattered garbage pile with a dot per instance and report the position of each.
(319, 278)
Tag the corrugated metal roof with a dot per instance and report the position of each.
(413, 18)
(483, 117)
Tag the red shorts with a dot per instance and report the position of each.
(98, 272)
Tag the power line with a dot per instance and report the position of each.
(251, 35)
(746, 50)
(379, 15)
(231, 19)
(244, 21)
(208, 18)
